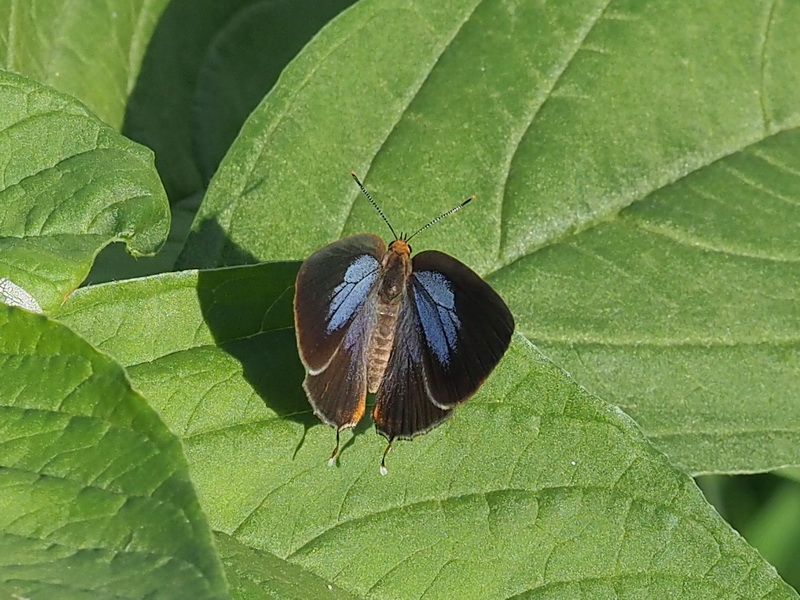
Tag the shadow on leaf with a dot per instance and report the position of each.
(250, 314)
(207, 66)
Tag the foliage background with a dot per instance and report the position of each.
(658, 145)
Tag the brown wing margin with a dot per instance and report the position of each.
(338, 393)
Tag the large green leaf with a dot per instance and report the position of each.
(95, 497)
(90, 50)
(534, 489)
(69, 185)
(636, 166)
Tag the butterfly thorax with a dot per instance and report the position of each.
(396, 271)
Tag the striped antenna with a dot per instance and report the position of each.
(455, 209)
(375, 204)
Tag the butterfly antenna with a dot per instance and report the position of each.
(332, 459)
(375, 204)
(384, 470)
(455, 209)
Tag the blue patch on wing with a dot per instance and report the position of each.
(436, 306)
(348, 297)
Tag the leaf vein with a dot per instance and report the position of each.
(684, 238)
(410, 98)
(765, 39)
(532, 111)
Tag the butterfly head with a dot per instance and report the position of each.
(400, 246)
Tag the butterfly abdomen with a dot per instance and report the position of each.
(380, 345)
(396, 271)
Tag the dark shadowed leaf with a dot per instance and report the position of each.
(208, 64)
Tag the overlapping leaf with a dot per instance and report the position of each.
(179, 77)
(189, 105)
(636, 168)
(69, 185)
(254, 575)
(89, 50)
(95, 497)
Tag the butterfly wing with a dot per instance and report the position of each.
(333, 287)
(452, 330)
(404, 407)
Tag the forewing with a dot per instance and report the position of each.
(334, 291)
(452, 330)
(465, 327)
(332, 287)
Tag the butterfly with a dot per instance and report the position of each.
(421, 334)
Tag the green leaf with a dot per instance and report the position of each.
(90, 50)
(254, 575)
(776, 528)
(636, 167)
(179, 77)
(69, 185)
(95, 497)
(535, 488)
(114, 263)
